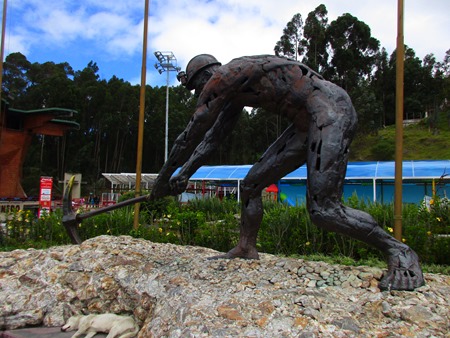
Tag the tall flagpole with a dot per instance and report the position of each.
(141, 118)
(400, 55)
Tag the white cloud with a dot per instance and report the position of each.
(111, 31)
(59, 26)
(105, 25)
(17, 42)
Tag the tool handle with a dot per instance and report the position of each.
(98, 211)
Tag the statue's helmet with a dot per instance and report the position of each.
(196, 65)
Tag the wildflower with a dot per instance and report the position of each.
(160, 230)
(307, 243)
(431, 202)
(390, 229)
(404, 240)
(169, 215)
(429, 233)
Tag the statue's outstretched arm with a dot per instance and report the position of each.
(184, 145)
(223, 126)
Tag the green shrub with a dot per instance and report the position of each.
(215, 224)
(116, 222)
(23, 230)
(288, 231)
(430, 233)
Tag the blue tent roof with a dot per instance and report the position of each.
(355, 170)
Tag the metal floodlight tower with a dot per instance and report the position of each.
(167, 62)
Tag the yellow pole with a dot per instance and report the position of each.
(399, 125)
(141, 118)
(2, 49)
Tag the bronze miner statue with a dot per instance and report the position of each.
(323, 123)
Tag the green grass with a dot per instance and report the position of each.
(419, 143)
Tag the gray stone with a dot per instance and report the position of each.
(175, 291)
(347, 323)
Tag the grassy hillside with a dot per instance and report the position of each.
(420, 142)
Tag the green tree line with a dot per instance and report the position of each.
(344, 51)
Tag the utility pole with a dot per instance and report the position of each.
(166, 62)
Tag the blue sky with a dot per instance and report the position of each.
(110, 32)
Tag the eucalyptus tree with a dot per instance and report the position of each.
(420, 85)
(289, 44)
(119, 124)
(430, 93)
(154, 130)
(91, 93)
(368, 106)
(315, 39)
(443, 76)
(15, 78)
(353, 51)
(414, 107)
(383, 84)
(50, 85)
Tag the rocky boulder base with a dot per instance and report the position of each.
(175, 291)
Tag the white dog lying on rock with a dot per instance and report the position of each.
(116, 326)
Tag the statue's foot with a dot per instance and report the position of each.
(239, 252)
(404, 272)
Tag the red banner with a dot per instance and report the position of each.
(45, 195)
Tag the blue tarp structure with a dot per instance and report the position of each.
(369, 180)
(372, 181)
(355, 170)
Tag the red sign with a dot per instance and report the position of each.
(45, 195)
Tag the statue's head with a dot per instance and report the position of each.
(198, 72)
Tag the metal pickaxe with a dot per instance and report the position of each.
(71, 219)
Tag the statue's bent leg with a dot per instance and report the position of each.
(327, 162)
(286, 154)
